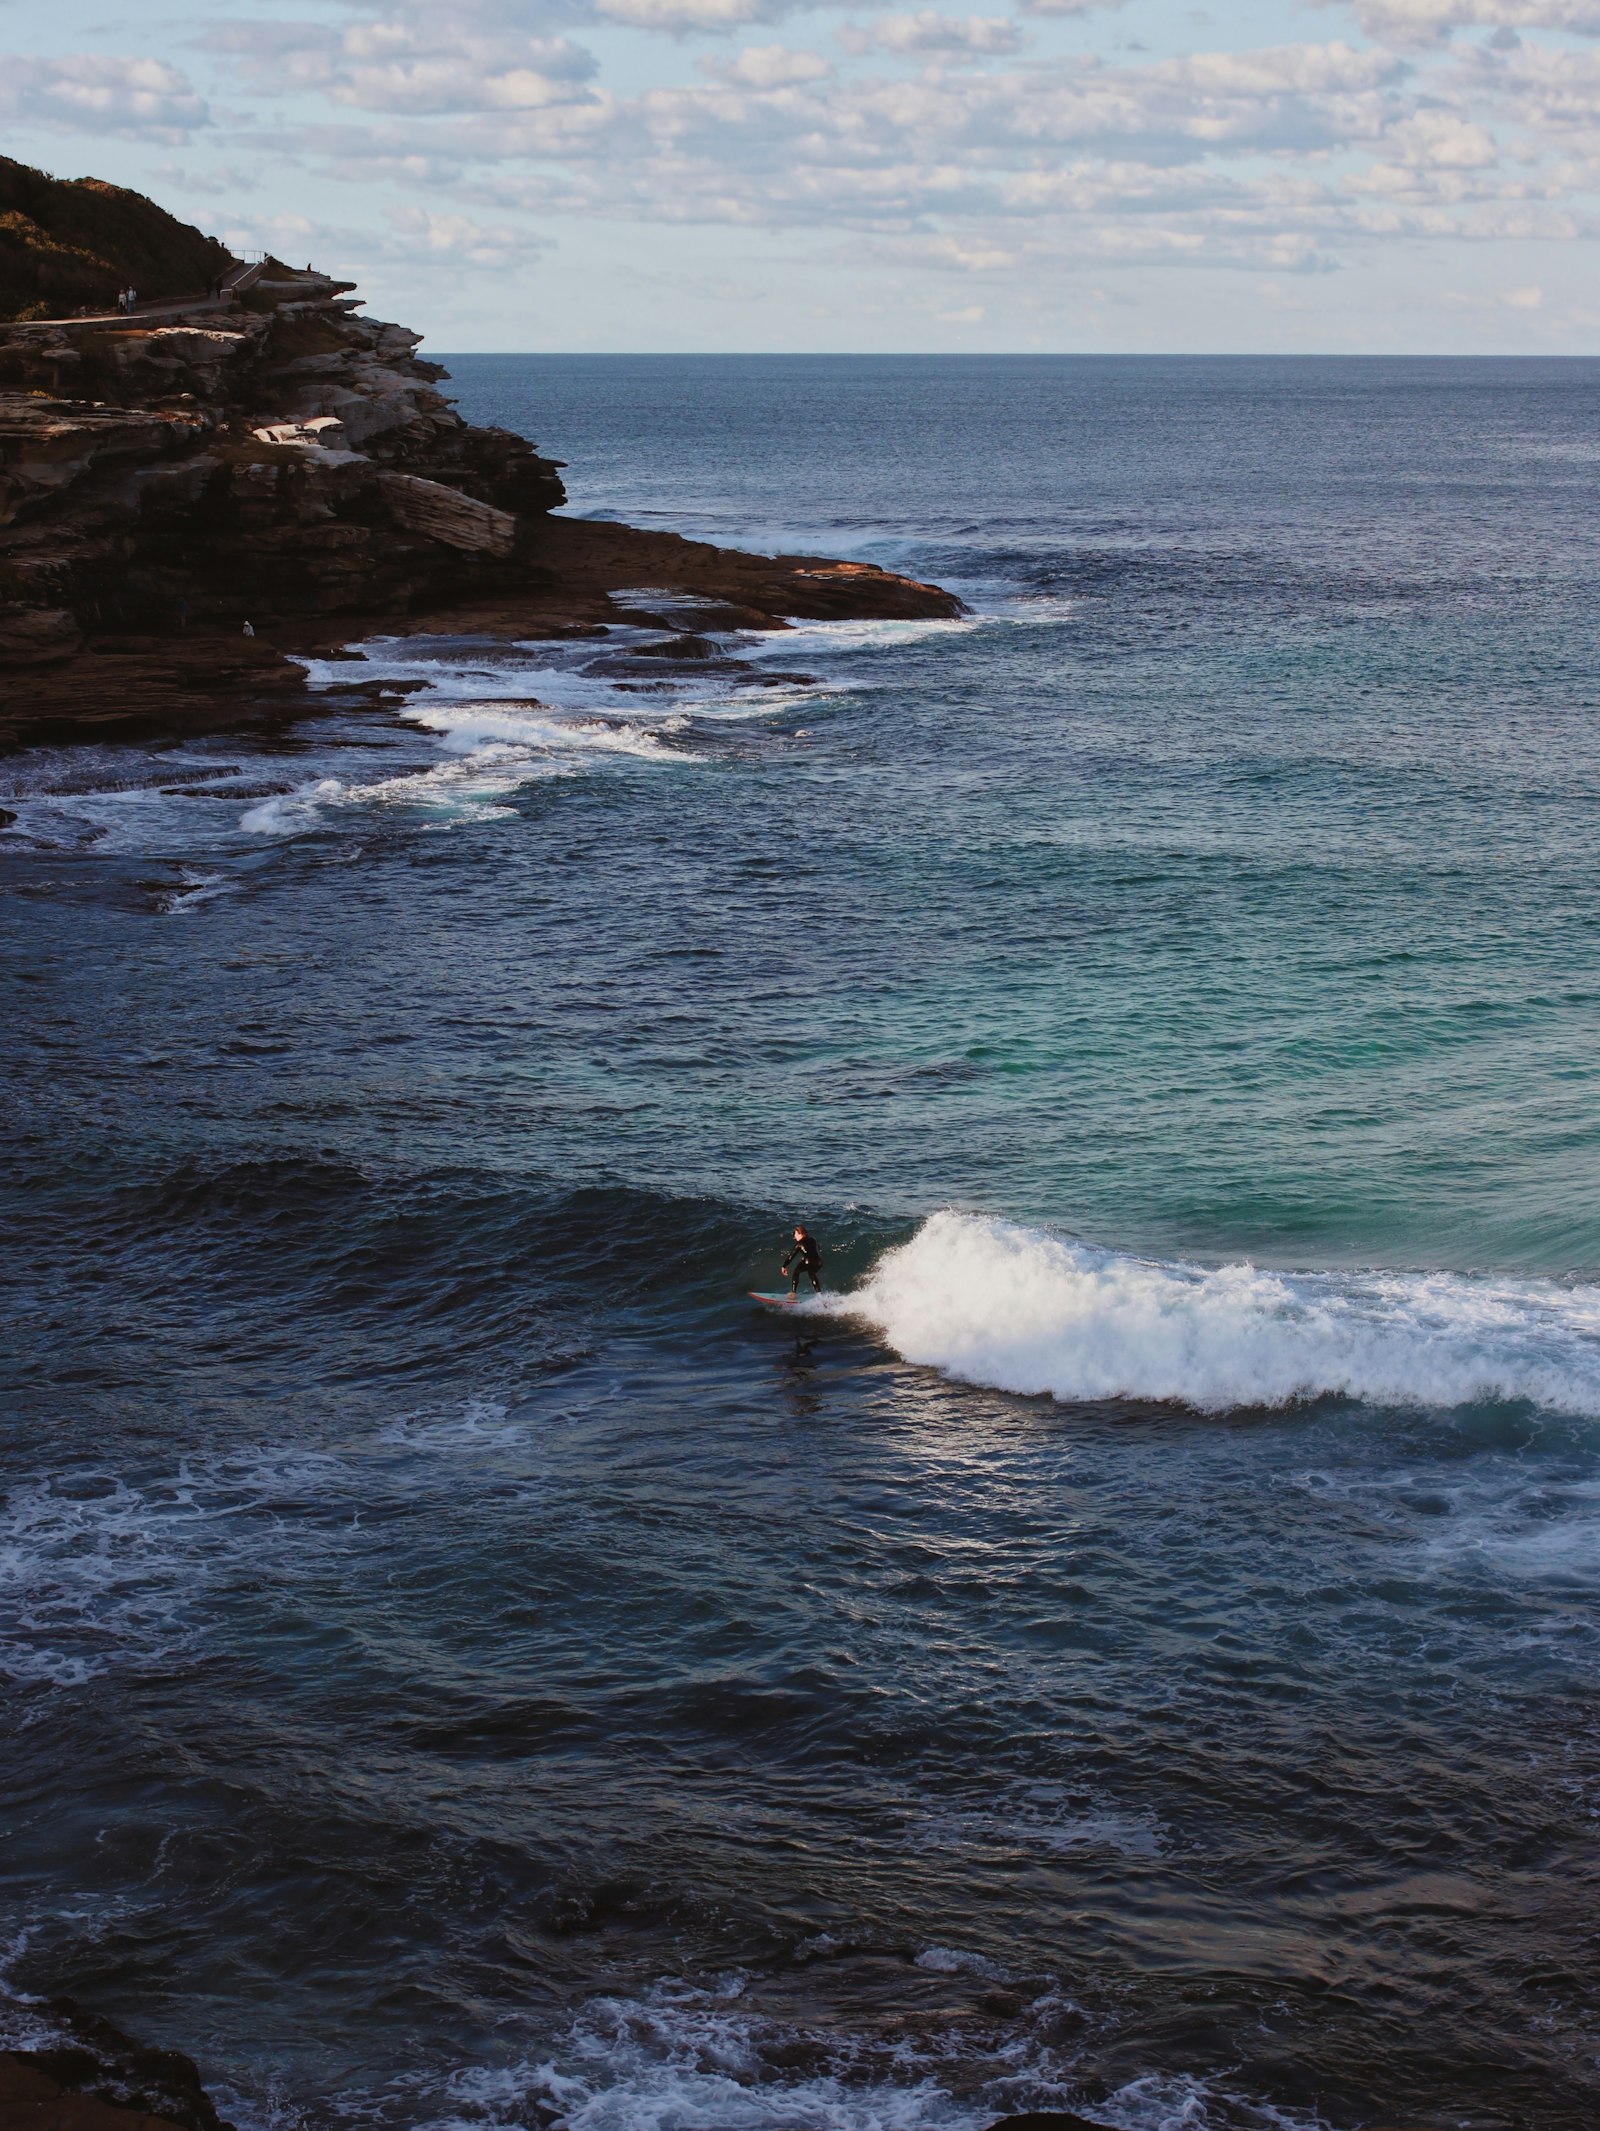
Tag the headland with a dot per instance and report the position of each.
(238, 467)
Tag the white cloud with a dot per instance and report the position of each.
(98, 93)
(771, 66)
(1424, 22)
(1442, 140)
(680, 17)
(930, 31)
(395, 66)
(918, 135)
(460, 237)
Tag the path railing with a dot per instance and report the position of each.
(221, 296)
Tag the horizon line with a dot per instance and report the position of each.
(1031, 355)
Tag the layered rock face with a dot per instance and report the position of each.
(276, 456)
(259, 453)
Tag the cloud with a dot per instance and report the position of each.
(395, 66)
(922, 137)
(680, 17)
(1425, 22)
(224, 178)
(1271, 102)
(770, 66)
(1442, 140)
(1096, 162)
(96, 94)
(459, 237)
(929, 31)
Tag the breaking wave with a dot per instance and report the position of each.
(994, 1303)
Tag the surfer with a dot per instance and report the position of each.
(806, 1259)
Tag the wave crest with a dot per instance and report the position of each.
(991, 1302)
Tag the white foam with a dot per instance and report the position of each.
(99, 1574)
(676, 2058)
(513, 721)
(291, 813)
(474, 728)
(1165, 2102)
(192, 888)
(813, 637)
(76, 1592)
(533, 682)
(990, 1302)
(476, 1424)
(21, 2028)
(952, 1961)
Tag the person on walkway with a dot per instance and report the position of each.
(806, 1260)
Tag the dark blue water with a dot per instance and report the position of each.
(1135, 1643)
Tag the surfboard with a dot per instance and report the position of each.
(784, 1301)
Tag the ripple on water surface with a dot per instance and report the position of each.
(1134, 1645)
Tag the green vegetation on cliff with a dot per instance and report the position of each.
(66, 243)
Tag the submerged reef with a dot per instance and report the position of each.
(254, 451)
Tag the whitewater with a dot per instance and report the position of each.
(992, 1302)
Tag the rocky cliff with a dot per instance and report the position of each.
(258, 452)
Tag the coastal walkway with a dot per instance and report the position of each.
(235, 284)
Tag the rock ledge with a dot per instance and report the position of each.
(262, 454)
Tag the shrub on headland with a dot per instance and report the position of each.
(71, 243)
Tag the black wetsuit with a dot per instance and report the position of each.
(807, 1259)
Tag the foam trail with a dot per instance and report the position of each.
(990, 1302)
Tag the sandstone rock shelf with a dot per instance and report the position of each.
(270, 456)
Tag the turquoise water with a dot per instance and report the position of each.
(1134, 1644)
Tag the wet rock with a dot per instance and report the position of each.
(1046, 2120)
(89, 2076)
(31, 2100)
(685, 647)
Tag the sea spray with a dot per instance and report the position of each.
(992, 1302)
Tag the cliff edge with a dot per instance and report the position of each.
(255, 451)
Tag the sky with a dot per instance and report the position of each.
(1389, 176)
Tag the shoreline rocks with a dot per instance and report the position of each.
(264, 455)
(82, 2074)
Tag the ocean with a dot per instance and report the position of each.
(1132, 1644)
